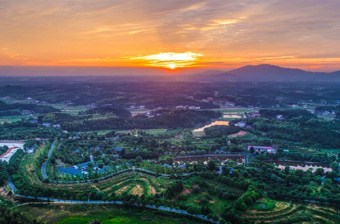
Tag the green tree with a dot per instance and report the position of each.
(212, 165)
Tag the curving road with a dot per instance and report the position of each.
(44, 165)
(11, 185)
(111, 175)
(100, 202)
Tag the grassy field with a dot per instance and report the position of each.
(75, 214)
(235, 110)
(148, 131)
(73, 110)
(29, 165)
(99, 132)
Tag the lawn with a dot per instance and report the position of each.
(99, 132)
(29, 165)
(75, 214)
(148, 131)
(69, 109)
(112, 219)
(236, 110)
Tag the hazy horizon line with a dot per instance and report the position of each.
(58, 70)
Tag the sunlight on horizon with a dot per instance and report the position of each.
(172, 35)
(170, 60)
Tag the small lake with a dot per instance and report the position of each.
(299, 165)
(206, 157)
(199, 132)
(305, 168)
(232, 116)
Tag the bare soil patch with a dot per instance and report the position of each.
(137, 190)
(238, 134)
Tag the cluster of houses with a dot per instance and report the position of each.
(251, 115)
(158, 111)
(45, 124)
(176, 165)
(141, 107)
(261, 149)
(187, 107)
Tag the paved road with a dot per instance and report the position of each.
(120, 172)
(11, 185)
(44, 165)
(99, 202)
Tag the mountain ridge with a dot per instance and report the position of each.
(268, 72)
(261, 72)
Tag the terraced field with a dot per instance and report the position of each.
(324, 214)
(127, 183)
(286, 212)
(130, 183)
(137, 184)
(133, 184)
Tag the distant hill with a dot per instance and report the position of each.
(267, 72)
(265, 69)
(335, 73)
(264, 72)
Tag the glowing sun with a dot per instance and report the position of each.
(170, 60)
(172, 65)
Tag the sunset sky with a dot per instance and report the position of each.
(212, 34)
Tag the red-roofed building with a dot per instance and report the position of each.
(9, 153)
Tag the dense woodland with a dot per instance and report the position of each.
(25, 130)
(120, 119)
(153, 94)
(17, 108)
(299, 126)
(8, 169)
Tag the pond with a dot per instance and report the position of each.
(300, 165)
(305, 168)
(199, 132)
(232, 116)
